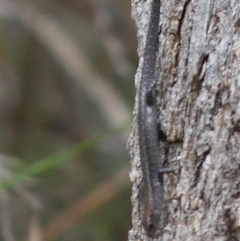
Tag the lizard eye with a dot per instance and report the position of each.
(151, 230)
(151, 226)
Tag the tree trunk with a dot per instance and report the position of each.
(198, 72)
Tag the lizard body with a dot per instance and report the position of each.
(150, 156)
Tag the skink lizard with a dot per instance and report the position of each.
(150, 156)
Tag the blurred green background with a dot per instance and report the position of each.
(67, 92)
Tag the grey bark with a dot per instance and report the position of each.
(198, 71)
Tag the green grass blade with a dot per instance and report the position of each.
(56, 160)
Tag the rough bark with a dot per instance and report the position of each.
(198, 71)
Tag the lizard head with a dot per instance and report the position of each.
(150, 219)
